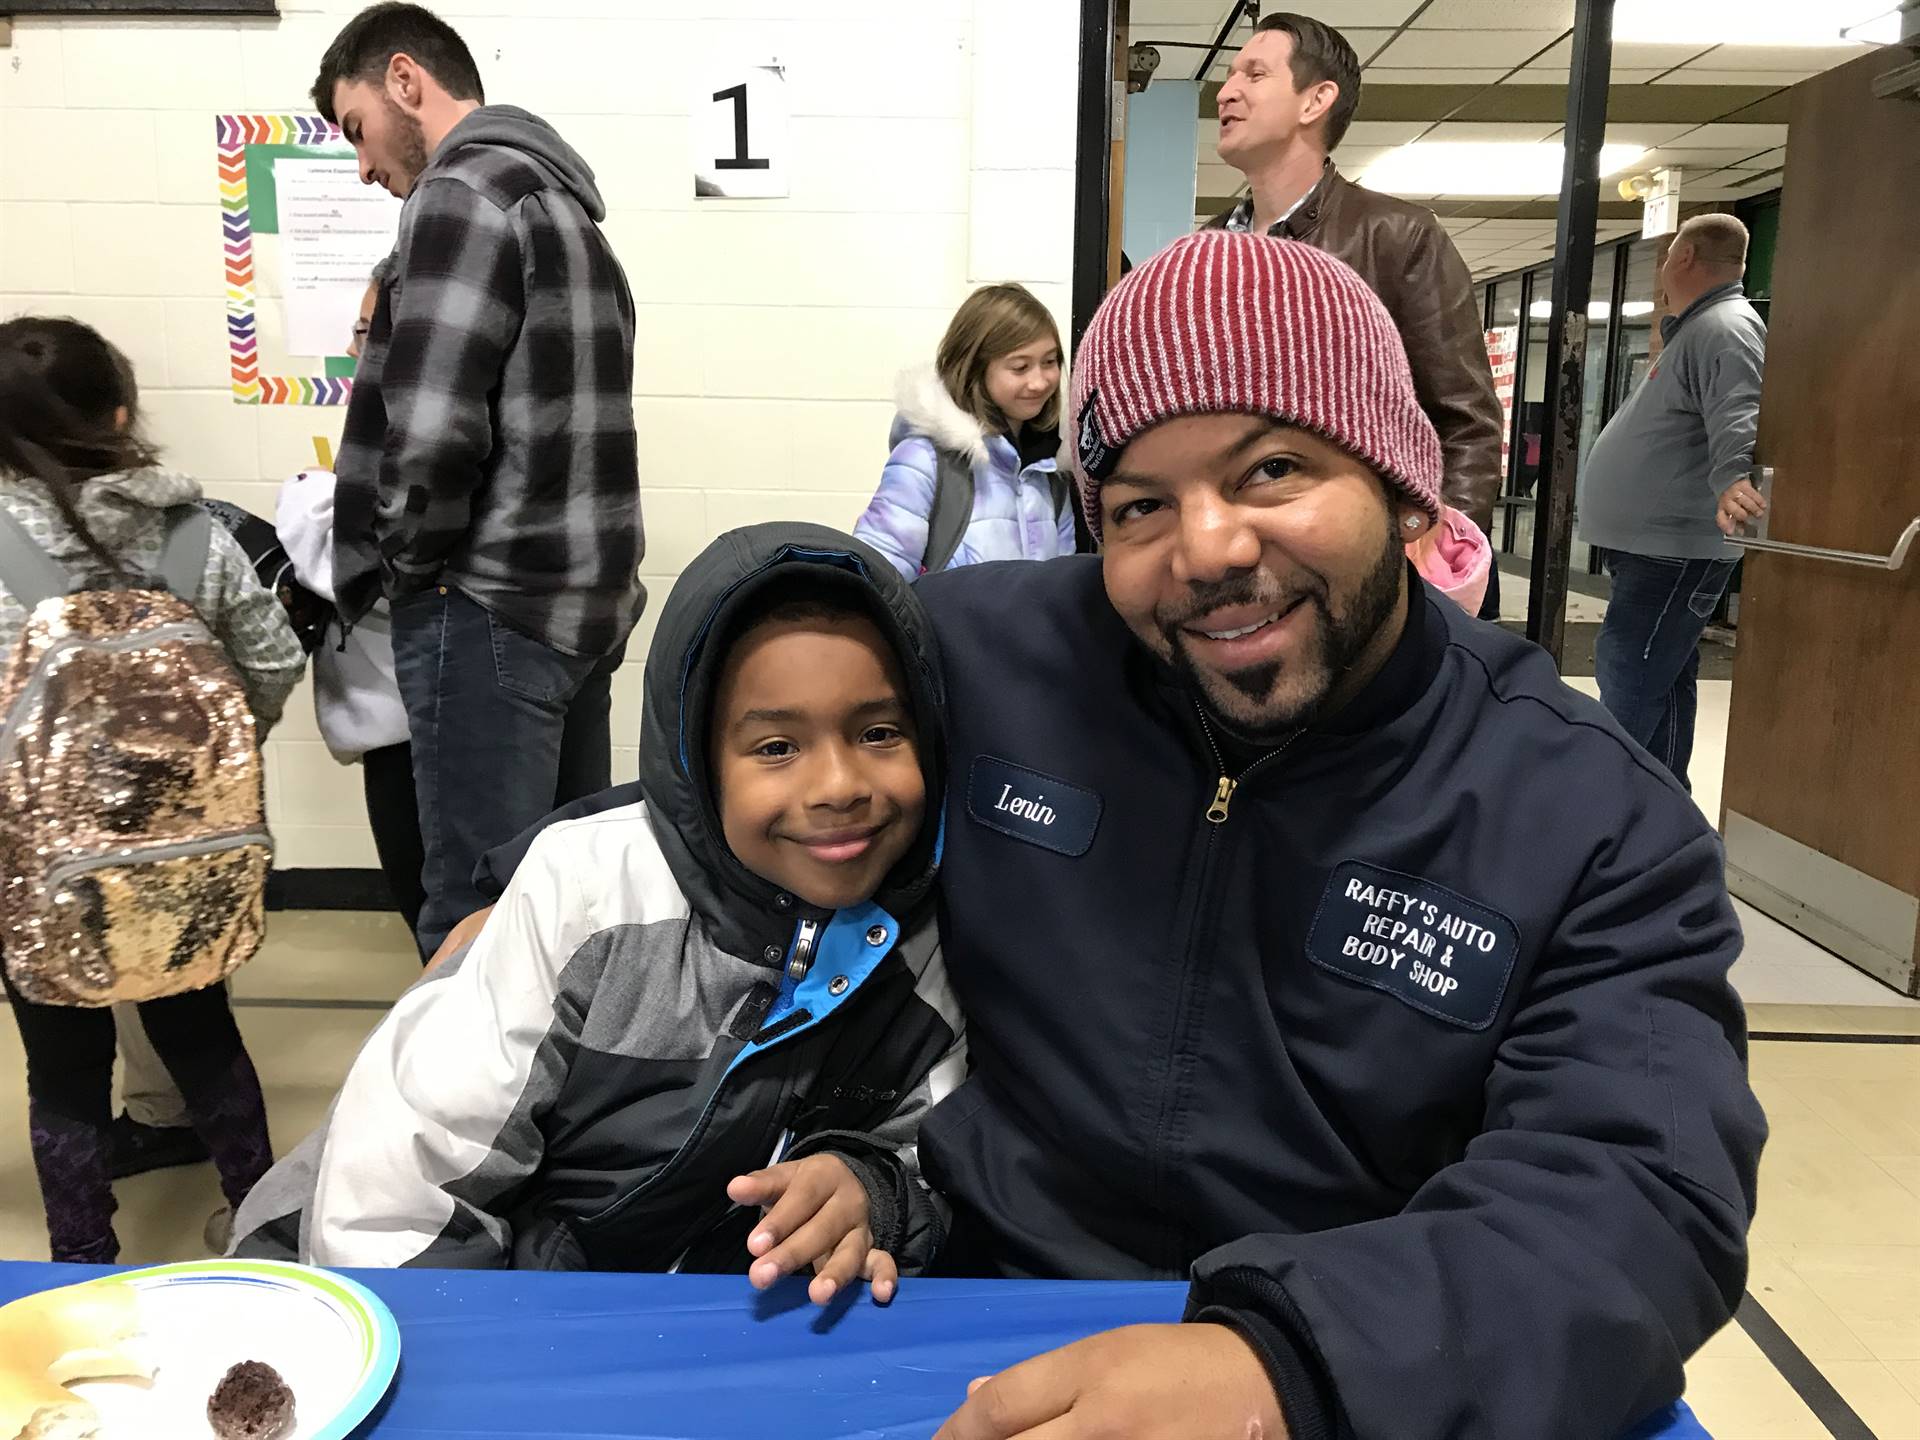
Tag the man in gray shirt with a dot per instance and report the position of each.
(1667, 480)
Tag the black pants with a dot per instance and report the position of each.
(387, 774)
(70, 1048)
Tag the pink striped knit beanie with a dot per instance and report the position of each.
(1221, 322)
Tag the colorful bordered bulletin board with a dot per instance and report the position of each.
(299, 237)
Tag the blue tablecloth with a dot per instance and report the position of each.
(510, 1356)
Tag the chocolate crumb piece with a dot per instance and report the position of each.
(251, 1402)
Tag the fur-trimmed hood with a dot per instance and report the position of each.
(922, 406)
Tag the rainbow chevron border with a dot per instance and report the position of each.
(233, 133)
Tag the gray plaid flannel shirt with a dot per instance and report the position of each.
(489, 442)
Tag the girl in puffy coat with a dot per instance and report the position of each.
(990, 405)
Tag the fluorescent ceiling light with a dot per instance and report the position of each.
(1596, 309)
(1751, 22)
(1462, 167)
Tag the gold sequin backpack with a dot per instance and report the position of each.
(134, 854)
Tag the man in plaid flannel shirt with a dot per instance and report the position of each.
(488, 485)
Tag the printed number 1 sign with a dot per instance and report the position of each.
(739, 130)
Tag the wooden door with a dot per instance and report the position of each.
(1821, 804)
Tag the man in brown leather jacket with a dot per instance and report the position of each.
(1283, 110)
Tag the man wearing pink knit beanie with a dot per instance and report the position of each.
(1317, 945)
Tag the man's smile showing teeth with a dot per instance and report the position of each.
(1243, 630)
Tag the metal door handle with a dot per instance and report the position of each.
(1845, 557)
(1762, 476)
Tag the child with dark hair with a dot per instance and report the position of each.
(699, 1030)
(81, 489)
(488, 485)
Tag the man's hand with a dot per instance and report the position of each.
(1739, 503)
(462, 934)
(1146, 1382)
(816, 1214)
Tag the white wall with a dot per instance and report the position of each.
(932, 148)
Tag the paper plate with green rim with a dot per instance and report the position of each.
(333, 1341)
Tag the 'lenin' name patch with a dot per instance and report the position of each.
(1422, 944)
(1029, 806)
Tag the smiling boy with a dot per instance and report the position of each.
(722, 1000)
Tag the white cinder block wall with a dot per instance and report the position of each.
(931, 150)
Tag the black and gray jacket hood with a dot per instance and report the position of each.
(720, 589)
(511, 128)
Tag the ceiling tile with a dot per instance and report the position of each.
(1494, 131)
(1630, 59)
(1466, 47)
(1179, 12)
(1693, 75)
(1754, 137)
(1694, 162)
(1492, 200)
(1810, 59)
(1343, 14)
(1630, 56)
(1649, 135)
(1557, 75)
(1146, 33)
(1394, 75)
(1491, 14)
(1385, 132)
(1364, 41)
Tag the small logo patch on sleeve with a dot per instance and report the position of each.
(1421, 943)
(1027, 805)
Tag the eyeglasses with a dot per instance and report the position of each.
(362, 329)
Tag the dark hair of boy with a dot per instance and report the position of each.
(62, 388)
(364, 49)
(802, 598)
(1321, 53)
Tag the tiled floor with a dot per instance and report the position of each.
(1836, 1248)
(1516, 590)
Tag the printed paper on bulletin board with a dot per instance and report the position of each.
(299, 238)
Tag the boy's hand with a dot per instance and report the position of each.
(816, 1214)
(462, 934)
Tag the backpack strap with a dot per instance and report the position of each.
(183, 555)
(1063, 495)
(29, 574)
(952, 510)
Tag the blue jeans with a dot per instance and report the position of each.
(1648, 659)
(505, 729)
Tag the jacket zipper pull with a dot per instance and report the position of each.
(1222, 798)
(804, 941)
